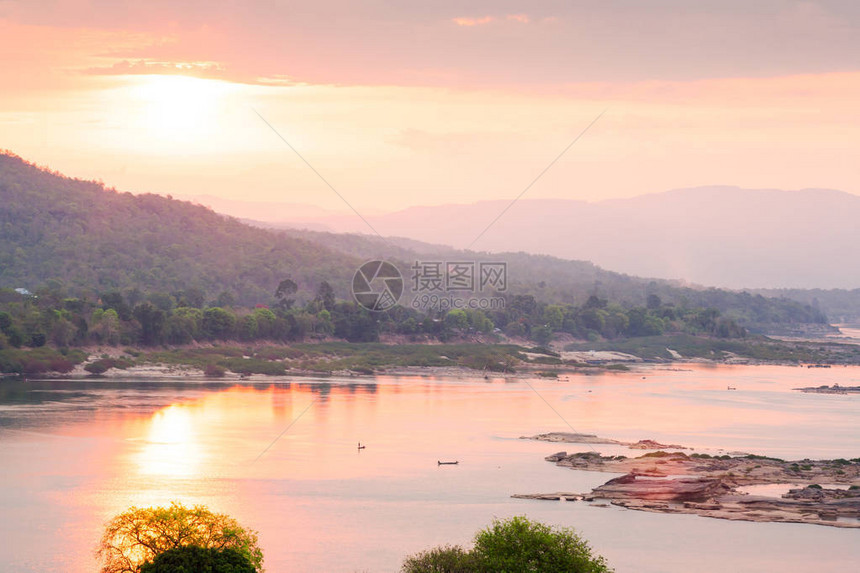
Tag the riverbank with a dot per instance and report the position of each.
(824, 492)
(458, 359)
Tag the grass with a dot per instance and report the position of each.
(754, 348)
(39, 360)
(363, 358)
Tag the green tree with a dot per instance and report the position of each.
(553, 316)
(515, 545)
(265, 322)
(63, 332)
(248, 327)
(456, 319)
(151, 321)
(218, 323)
(225, 300)
(184, 325)
(5, 321)
(139, 535)
(480, 321)
(115, 301)
(105, 326)
(523, 546)
(193, 559)
(286, 289)
(325, 296)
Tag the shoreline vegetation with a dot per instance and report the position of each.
(819, 492)
(457, 359)
(461, 359)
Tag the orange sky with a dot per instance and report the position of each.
(414, 104)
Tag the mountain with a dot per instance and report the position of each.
(722, 236)
(93, 239)
(90, 240)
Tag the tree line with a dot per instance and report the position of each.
(132, 317)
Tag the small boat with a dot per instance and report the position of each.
(730, 388)
(440, 463)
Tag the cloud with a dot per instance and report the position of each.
(423, 44)
(211, 70)
(469, 22)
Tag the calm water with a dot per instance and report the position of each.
(74, 453)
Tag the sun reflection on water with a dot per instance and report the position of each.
(171, 447)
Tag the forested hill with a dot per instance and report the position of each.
(553, 280)
(94, 239)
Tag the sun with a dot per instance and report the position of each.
(178, 109)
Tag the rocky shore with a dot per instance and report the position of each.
(570, 437)
(828, 491)
(835, 389)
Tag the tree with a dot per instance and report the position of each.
(265, 322)
(325, 296)
(151, 321)
(191, 297)
(512, 545)
(5, 321)
(218, 323)
(183, 326)
(193, 559)
(457, 319)
(286, 289)
(138, 535)
(115, 301)
(553, 316)
(653, 302)
(225, 300)
(517, 544)
(106, 326)
(247, 327)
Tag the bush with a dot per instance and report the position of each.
(445, 559)
(516, 545)
(193, 559)
(61, 365)
(214, 371)
(253, 366)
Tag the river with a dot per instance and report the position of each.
(281, 456)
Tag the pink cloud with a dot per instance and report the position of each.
(521, 18)
(469, 22)
(126, 67)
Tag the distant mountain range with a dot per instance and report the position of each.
(722, 236)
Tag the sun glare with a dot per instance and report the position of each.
(177, 109)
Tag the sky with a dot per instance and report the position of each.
(397, 104)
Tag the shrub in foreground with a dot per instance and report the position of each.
(139, 535)
(515, 545)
